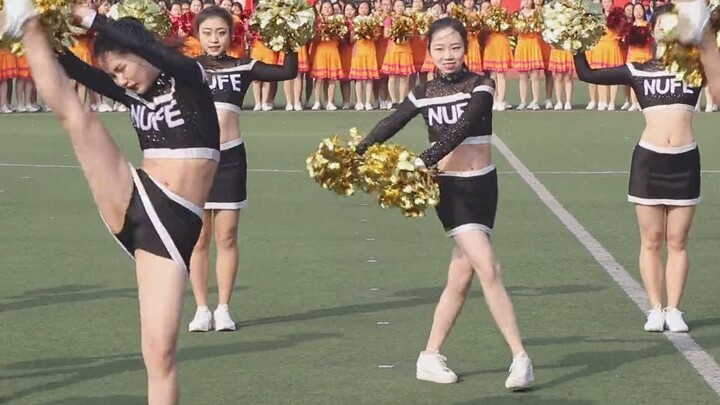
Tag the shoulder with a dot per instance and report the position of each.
(483, 83)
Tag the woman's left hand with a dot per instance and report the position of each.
(84, 14)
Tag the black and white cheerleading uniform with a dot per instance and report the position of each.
(658, 175)
(175, 119)
(229, 79)
(457, 110)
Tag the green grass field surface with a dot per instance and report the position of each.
(312, 309)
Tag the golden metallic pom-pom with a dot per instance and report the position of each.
(56, 17)
(389, 172)
(154, 18)
(284, 25)
(333, 166)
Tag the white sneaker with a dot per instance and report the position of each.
(591, 106)
(258, 107)
(625, 106)
(223, 320)
(568, 106)
(548, 104)
(611, 107)
(330, 107)
(289, 107)
(602, 106)
(655, 320)
(521, 373)
(103, 108)
(203, 321)
(316, 106)
(359, 106)
(521, 106)
(558, 106)
(368, 107)
(267, 107)
(674, 320)
(433, 367)
(502, 106)
(6, 110)
(298, 107)
(634, 107)
(533, 106)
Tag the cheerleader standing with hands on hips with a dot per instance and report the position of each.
(154, 212)
(229, 80)
(664, 178)
(468, 193)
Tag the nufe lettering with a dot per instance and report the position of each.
(448, 114)
(664, 85)
(146, 119)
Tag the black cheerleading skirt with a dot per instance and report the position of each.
(160, 222)
(665, 176)
(229, 188)
(468, 200)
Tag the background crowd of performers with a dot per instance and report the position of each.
(377, 74)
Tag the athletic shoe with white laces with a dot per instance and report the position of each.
(203, 320)
(433, 367)
(655, 320)
(674, 320)
(223, 320)
(521, 373)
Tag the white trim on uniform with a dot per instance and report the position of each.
(239, 68)
(182, 153)
(228, 107)
(226, 205)
(664, 201)
(668, 150)
(157, 223)
(676, 106)
(642, 73)
(473, 173)
(468, 227)
(231, 144)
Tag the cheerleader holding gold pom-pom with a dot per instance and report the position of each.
(461, 148)
(473, 59)
(8, 66)
(561, 66)
(497, 55)
(398, 64)
(546, 50)
(639, 43)
(607, 53)
(528, 59)
(364, 67)
(326, 65)
(346, 54)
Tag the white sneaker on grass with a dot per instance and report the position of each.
(433, 367)
(655, 320)
(223, 320)
(674, 320)
(521, 373)
(203, 320)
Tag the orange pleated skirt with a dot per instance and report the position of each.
(418, 44)
(8, 65)
(528, 53)
(22, 70)
(607, 52)
(546, 51)
(639, 54)
(364, 64)
(303, 59)
(398, 60)
(473, 57)
(497, 55)
(263, 53)
(561, 61)
(381, 46)
(326, 62)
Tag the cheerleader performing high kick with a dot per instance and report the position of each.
(155, 211)
(229, 81)
(664, 178)
(457, 109)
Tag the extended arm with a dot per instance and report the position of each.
(478, 108)
(265, 72)
(710, 58)
(90, 77)
(605, 77)
(390, 125)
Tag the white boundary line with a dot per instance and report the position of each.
(601, 172)
(703, 363)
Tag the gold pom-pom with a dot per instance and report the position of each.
(527, 24)
(56, 16)
(332, 28)
(573, 25)
(154, 18)
(423, 21)
(475, 23)
(389, 172)
(333, 166)
(498, 19)
(284, 25)
(366, 27)
(401, 29)
(459, 13)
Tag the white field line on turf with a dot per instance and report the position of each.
(703, 363)
(41, 166)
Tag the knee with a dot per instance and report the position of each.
(652, 240)
(226, 239)
(676, 242)
(489, 275)
(159, 356)
(459, 285)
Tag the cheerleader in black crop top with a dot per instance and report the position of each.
(154, 212)
(457, 109)
(229, 79)
(664, 178)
